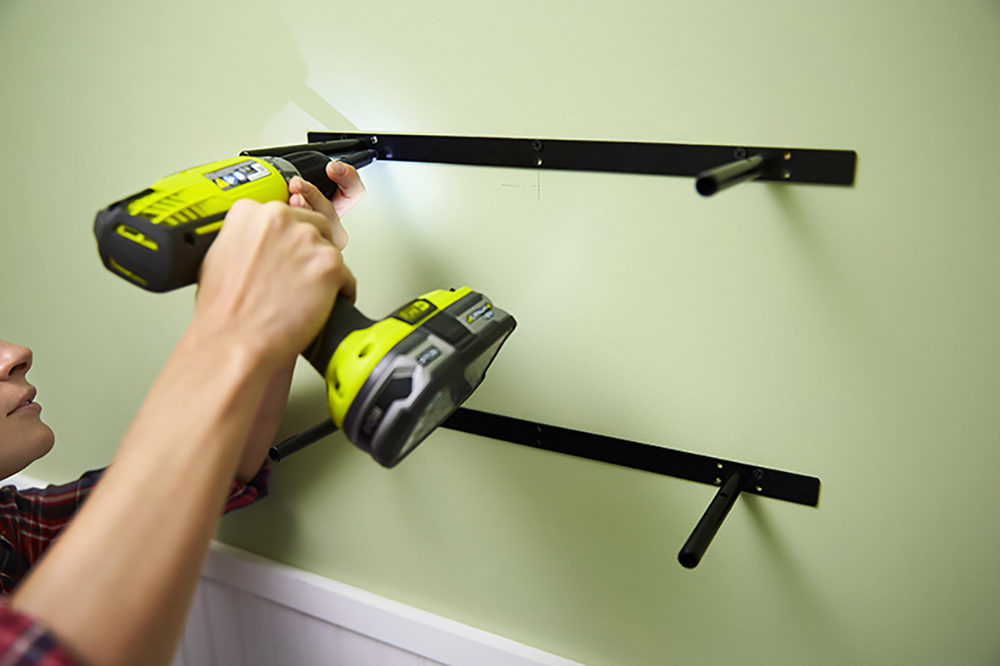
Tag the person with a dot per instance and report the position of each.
(116, 585)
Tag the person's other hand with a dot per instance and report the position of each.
(350, 190)
(270, 279)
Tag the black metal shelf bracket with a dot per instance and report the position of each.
(715, 167)
(732, 477)
(297, 442)
(696, 545)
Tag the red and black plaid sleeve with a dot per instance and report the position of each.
(31, 519)
(244, 494)
(24, 642)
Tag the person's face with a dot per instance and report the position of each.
(23, 436)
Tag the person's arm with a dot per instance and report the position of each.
(350, 190)
(266, 422)
(116, 587)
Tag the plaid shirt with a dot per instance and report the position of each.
(30, 521)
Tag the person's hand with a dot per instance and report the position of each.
(350, 190)
(270, 279)
(304, 195)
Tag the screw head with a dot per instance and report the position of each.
(537, 145)
(758, 474)
(740, 153)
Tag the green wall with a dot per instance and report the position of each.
(844, 333)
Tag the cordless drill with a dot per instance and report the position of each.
(390, 382)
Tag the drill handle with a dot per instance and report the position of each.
(344, 319)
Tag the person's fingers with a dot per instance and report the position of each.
(307, 196)
(350, 189)
(304, 215)
(299, 201)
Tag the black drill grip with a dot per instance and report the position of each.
(343, 320)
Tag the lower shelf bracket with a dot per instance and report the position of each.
(732, 477)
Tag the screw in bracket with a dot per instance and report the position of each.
(537, 145)
(740, 153)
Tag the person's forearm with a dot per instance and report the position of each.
(266, 423)
(117, 585)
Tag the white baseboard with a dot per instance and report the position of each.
(413, 631)
(251, 610)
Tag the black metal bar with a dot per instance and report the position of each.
(761, 481)
(696, 545)
(717, 179)
(790, 165)
(300, 441)
(326, 147)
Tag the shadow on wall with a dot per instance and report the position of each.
(186, 86)
(262, 23)
(813, 613)
(849, 314)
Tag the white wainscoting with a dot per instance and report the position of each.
(252, 611)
